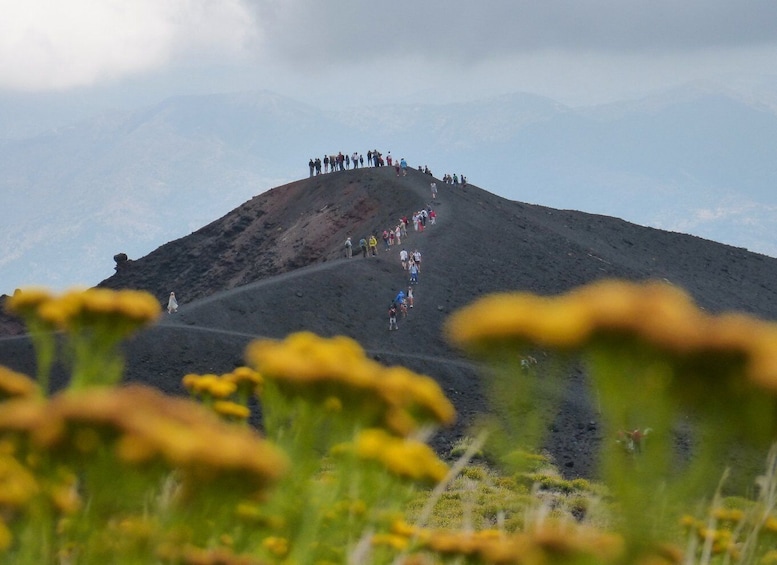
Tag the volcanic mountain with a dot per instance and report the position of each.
(276, 265)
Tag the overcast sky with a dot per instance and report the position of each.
(359, 51)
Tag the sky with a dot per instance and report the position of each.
(124, 54)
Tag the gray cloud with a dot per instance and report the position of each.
(312, 31)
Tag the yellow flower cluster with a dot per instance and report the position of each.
(218, 391)
(81, 307)
(278, 546)
(403, 457)
(13, 384)
(572, 543)
(208, 385)
(305, 364)
(26, 301)
(733, 515)
(231, 410)
(223, 386)
(245, 378)
(654, 313)
(722, 539)
(144, 425)
(191, 555)
(17, 484)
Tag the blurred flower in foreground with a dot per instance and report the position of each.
(653, 357)
(406, 458)
(141, 425)
(13, 384)
(321, 369)
(94, 320)
(656, 314)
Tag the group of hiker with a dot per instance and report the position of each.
(332, 163)
(410, 261)
(343, 161)
(448, 179)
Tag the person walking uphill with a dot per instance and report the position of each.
(392, 312)
(413, 273)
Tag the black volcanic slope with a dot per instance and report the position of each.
(274, 266)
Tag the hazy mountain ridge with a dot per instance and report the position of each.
(127, 182)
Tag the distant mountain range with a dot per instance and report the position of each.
(696, 160)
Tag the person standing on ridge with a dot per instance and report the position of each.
(363, 246)
(172, 304)
(348, 247)
(373, 245)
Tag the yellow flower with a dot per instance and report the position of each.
(83, 307)
(190, 555)
(190, 381)
(521, 316)
(13, 384)
(401, 387)
(147, 425)
(245, 379)
(306, 365)
(276, 545)
(17, 484)
(770, 524)
(26, 301)
(653, 314)
(209, 385)
(403, 457)
(231, 409)
(219, 388)
(728, 514)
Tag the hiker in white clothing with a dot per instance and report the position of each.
(403, 258)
